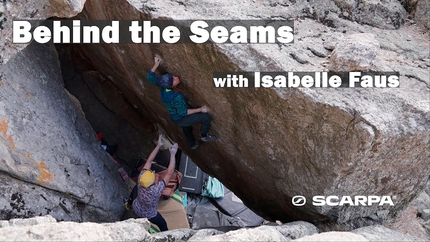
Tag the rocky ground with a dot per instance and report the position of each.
(48, 229)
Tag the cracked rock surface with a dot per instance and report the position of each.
(273, 143)
(50, 159)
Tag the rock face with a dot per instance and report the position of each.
(30, 9)
(273, 143)
(50, 159)
(287, 142)
(356, 52)
(107, 109)
(380, 233)
(414, 220)
(47, 229)
(419, 11)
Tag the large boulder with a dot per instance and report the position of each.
(262, 233)
(380, 233)
(50, 159)
(413, 219)
(333, 236)
(278, 143)
(390, 14)
(386, 15)
(273, 144)
(47, 229)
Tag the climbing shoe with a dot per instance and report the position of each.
(127, 203)
(128, 206)
(195, 146)
(208, 138)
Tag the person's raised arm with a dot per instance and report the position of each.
(156, 64)
(172, 163)
(150, 77)
(153, 153)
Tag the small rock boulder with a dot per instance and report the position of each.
(356, 52)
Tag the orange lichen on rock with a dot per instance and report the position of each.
(3, 127)
(44, 174)
(28, 155)
(3, 130)
(12, 144)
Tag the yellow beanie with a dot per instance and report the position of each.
(147, 178)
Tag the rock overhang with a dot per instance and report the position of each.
(355, 122)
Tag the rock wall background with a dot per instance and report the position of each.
(278, 142)
(30, 9)
(51, 161)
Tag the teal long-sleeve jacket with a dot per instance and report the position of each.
(173, 101)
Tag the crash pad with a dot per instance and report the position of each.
(192, 176)
(173, 212)
(234, 207)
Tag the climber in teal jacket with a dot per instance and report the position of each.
(174, 101)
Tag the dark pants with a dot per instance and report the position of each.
(187, 123)
(133, 195)
(157, 220)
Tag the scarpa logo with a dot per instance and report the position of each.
(352, 201)
(298, 200)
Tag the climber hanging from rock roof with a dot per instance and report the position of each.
(174, 101)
